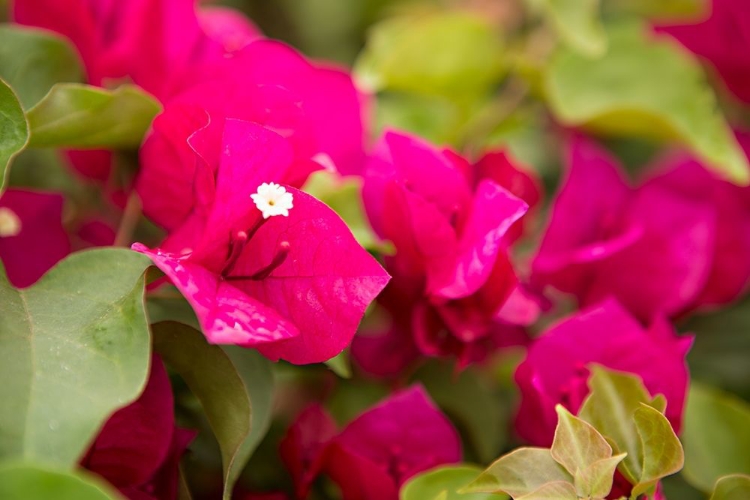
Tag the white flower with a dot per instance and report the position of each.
(10, 224)
(272, 199)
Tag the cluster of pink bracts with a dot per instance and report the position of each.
(246, 120)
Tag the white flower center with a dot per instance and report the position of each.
(272, 199)
(10, 224)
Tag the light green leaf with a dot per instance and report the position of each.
(468, 400)
(20, 481)
(577, 22)
(340, 364)
(610, 407)
(456, 54)
(557, 490)
(662, 451)
(733, 487)
(82, 116)
(645, 88)
(33, 60)
(344, 196)
(520, 472)
(76, 347)
(716, 436)
(443, 483)
(213, 378)
(577, 444)
(671, 11)
(14, 131)
(595, 481)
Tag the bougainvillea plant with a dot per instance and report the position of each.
(374, 250)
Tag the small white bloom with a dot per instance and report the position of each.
(272, 199)
(10, 224)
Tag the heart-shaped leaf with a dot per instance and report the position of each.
(733, 487)
(33, 60)
(76, 346)
(519, 473)
(595, 481)
(577, 445)
(15, 130)
(716, 436)
(662, 450)
(20, 481)
(645, 88)
(211, 374)
(81, 116)
(577, 22)
(443, 483)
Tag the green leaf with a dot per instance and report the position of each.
(82, 116)
(455, 54)
(557, 490)
(344, 196)
(76, 346)
(14, 130)
(33, 60)
(212, 376)
(645, 88)
(671, 11)
(20, 481)
(733, 487)
(662, 451)
(595, 481)
(610, 407)
(520, 472)
(716, 436)
(340, 365)
(470, 403)
(577, 22)
(442, 483)
(577, 444)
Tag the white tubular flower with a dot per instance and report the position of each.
(10, 224)
(272, 199)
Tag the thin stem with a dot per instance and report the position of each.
(129, 221)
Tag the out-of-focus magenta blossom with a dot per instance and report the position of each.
(32, 237)
(139, 447)
(155, 42)
(722, 40)
(451, 274)
(669, 246)
(556, 371)
(377, 452)
(294, 287)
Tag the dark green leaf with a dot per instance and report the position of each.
(520, 472)
(33, 60)
(76, 347)
(645, 88)
(734, 487)
(82, 116)
(14, 131)
(716, 436)
(443, 483)
(32, 482)
(213, 378)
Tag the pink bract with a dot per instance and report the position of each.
(556, 368)
(721, 40)
(293, 287)
(375, 453)
(451, 273)
(38, 240)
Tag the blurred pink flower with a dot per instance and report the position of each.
(139, 447)
(278, 270)
(377, 452)
(32, 237)
(451, 273)
(721, 39)
(555, 370)
(669, 246)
